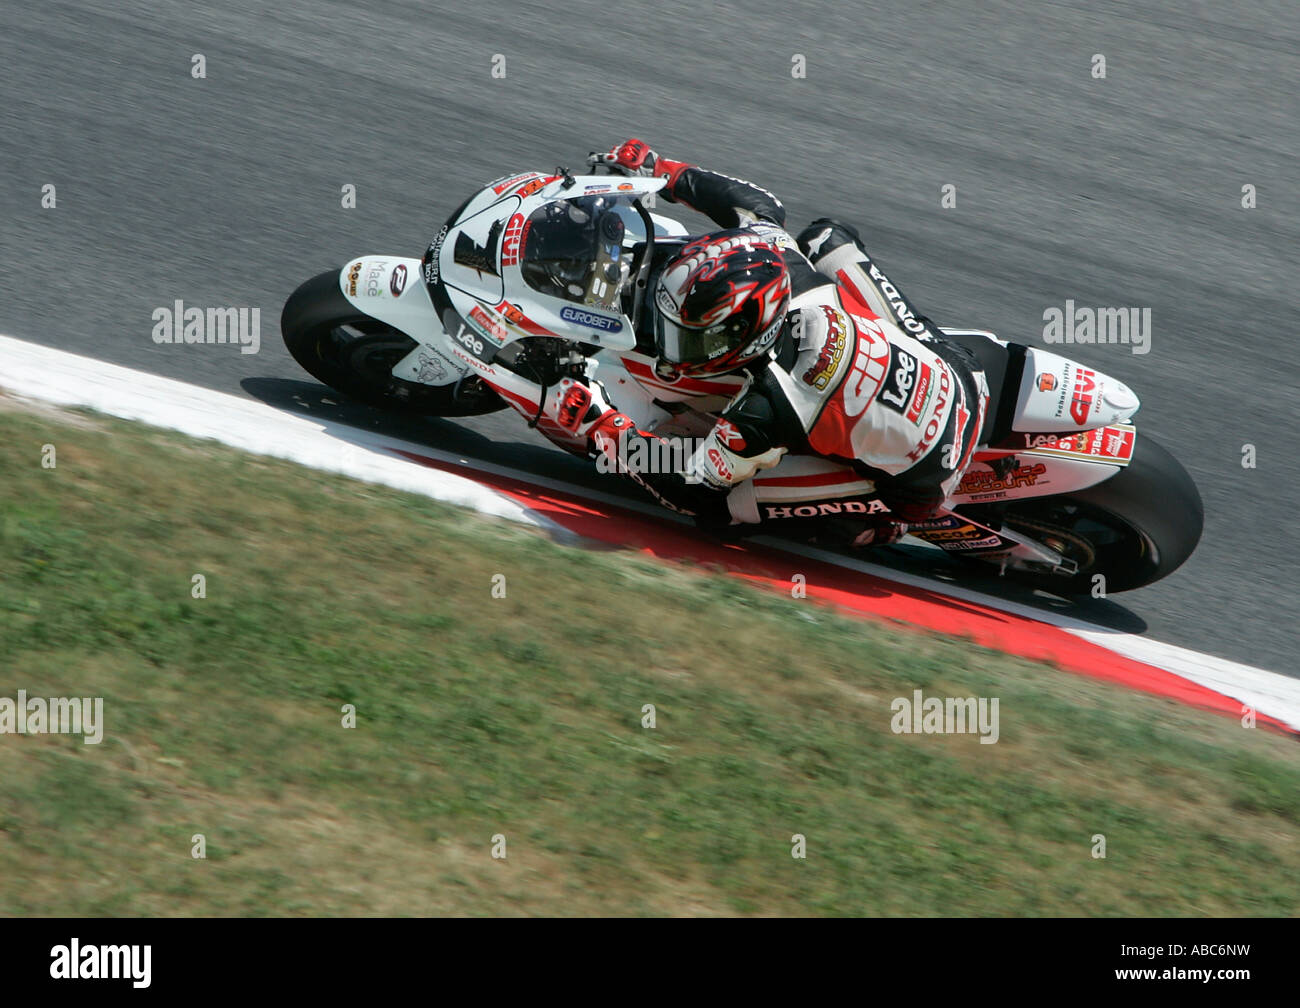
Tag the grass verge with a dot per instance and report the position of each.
(522, 716)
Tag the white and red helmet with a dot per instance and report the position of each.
(720, 303)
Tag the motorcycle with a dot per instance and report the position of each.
(1062, 493)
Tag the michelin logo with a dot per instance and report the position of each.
(589, 319)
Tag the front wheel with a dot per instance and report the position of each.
(1135, 528)
(355, 354)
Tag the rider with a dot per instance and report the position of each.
(839, 365)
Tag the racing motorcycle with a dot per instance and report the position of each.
(1061, 488)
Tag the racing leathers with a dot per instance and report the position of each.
(857, 378)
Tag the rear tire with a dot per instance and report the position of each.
(338, 344)
(1135, 528)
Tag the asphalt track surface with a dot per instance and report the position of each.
(1123, 191)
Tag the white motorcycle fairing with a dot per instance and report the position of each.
(1075, 424)
(1062, 465)
(478, 260)
(390, 288)
(1059, 395)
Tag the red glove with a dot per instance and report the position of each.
(634, 157)
(604, 436)
(575, 400)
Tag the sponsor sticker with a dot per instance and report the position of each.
(510, 181)
(720, 464)
(1065, 391)
(1108, 444)
(531, 187)
(512, 314)
(870, 364)
(820, 510)
(899, 306)
(832, 351)
(900, 380)
(490, 324)
(934, 426)
(991, 482)
(953, 532)
(728, 434)
(468, 340)
(397, 283)
(432, 371)
(924, 388)
(510, 245)
(1081, 402)
(374, 275)
(431, 268)
(591, 320)
(985, 542)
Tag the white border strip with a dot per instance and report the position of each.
(55, 376)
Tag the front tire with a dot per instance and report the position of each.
(338, 344)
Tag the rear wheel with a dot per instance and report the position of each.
(355, 354)
(1134, 529)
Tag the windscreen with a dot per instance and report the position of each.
(573, 249)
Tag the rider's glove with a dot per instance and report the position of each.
(634, 157)
(605, 434)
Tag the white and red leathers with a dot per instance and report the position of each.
(856, 378)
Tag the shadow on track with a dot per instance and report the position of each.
(320, 403)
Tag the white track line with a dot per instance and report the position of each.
(66, 379)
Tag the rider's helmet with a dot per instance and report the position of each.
(720, 303)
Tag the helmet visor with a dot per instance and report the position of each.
(678, 344)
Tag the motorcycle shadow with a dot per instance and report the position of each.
(490, 439)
